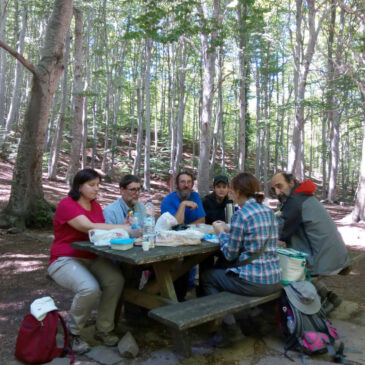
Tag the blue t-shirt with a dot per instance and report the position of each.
(171, 204)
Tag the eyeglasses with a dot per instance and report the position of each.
(135, 190)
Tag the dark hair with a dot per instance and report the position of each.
(127, 179)
(248, 185)
(183, 173)
(80, 178)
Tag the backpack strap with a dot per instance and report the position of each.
(66, 344)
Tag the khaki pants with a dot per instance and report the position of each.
(94, 282)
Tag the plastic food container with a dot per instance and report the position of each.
(121, 243)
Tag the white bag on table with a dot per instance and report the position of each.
(292, 263)
(102, 237)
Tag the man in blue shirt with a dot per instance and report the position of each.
(130, 189)
(185, 204)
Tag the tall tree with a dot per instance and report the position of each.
(208, 40)
(26, 204)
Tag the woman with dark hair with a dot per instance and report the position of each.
(253, 227)
(93, 279)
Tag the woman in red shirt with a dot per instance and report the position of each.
(93, 279)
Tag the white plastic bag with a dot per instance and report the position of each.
(188, 237)
(165, 222)
(292, 263)
(102, 237)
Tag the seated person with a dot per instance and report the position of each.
(305, 225)
(130, 189)
(250, 229)
(186, 205)
(214, 204)
(93, 279)
(118, 213)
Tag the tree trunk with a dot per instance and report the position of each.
(74, 164)
(3, 14)
(27, 205)
(242, 14)
(209, 56)
(181, 104)
(147, 87)
(57, 138)
(14, 105)
(302, 62)
(219, 114)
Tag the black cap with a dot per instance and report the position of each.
(220, 178)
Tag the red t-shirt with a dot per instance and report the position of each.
(64, 234)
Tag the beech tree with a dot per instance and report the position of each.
(27, 205)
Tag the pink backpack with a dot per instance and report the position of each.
(36, 341)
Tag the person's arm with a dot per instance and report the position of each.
(180, 214)
(84, 224)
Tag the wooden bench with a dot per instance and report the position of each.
(181, 317)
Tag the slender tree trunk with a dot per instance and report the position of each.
(27, 205)
(15, 101)
(78, 100)
(57, 138)
(181, 104)
(209, 56)
(147, 87)
(219, 114)
(242, 15)
(3, 14)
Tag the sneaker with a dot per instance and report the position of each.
(108, 339)
(78, 345)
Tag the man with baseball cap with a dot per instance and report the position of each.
(215, 202)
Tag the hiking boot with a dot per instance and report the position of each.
(334, 299)
(108, 339)
(327, 306)
(78, 345)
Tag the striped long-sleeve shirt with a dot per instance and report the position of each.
(250, 228)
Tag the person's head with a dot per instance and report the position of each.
(221, 187)
(184, 184)
(85, 184)
(282, 184)
(245, 186)
(130, 188)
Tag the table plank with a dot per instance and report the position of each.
(136, 256)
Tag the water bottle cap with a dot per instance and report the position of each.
(135, 214)
(149, 201)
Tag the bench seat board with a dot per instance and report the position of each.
(184, 315)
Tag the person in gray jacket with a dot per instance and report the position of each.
(305, 225)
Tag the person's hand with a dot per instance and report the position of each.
(190, 204)
(220, 226)
(278, 214)
(281, 244)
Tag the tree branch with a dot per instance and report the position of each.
(20, 58)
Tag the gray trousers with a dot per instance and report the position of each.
(217, 280)
(94, 282)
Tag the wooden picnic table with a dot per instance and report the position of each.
(168, 263)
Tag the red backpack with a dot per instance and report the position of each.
(36, 342)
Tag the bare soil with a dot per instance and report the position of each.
(24, 259)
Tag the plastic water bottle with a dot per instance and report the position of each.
(135, 221)
(290, 323)
(149, 224)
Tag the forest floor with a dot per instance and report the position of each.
(24, 259)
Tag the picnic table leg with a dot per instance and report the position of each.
(164, 279)
(182, 342)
